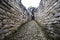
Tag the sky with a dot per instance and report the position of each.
(28, 3)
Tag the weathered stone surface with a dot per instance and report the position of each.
(49, 16)
(12, 15)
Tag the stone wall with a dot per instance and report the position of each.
(12, 15)
(48, 15)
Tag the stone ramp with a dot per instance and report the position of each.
(29, 31)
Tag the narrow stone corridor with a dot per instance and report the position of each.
(20, 23)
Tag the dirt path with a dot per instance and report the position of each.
(30, 31)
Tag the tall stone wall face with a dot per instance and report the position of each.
(12, 15)
(49, 15)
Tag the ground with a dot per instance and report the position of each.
(29, 31)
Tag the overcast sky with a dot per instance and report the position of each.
(28, 3)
